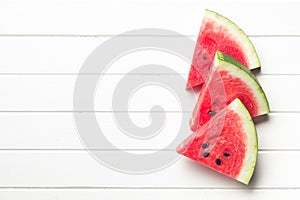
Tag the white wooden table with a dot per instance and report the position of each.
(42, 47)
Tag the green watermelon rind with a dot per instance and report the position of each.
(227, 58)
(234, 67)
(250, 159)
(239, 35)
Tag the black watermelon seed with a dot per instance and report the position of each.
(205, 154)
(226, 154)
(204, 145)
(212, 113)
(214, 103)
(204, 58)
(218, 161)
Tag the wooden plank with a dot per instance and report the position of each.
(65, 55)
(145, 194)
(113, 17)
(275, 53)
(78, 169)
(58, 131)
(55, 93)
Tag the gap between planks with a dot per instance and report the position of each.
(116, 35)
(142, 188)
(132, 150)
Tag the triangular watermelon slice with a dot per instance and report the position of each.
(219, 33)
(232, 150)
(236, 82)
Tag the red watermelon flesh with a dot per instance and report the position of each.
(237, 82)
(232, 149)
(219, 33)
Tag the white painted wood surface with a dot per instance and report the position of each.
(56, 130)
(65, 55)
(43, 45)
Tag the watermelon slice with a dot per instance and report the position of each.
(238, 82)
(233, 152)
(219, 33)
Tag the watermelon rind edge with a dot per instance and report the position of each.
(248, 46)
(227, 58)
(249, 162)
(224, 61)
